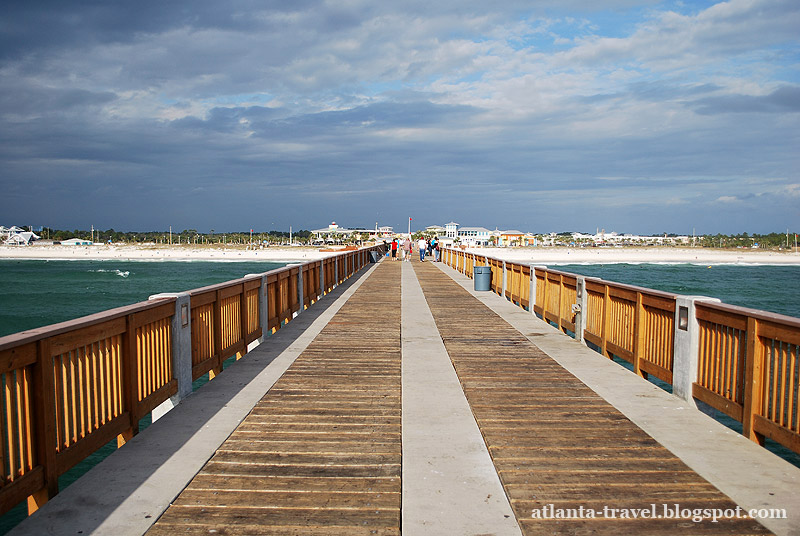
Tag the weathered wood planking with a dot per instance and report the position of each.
(553, 440)
(320, 453)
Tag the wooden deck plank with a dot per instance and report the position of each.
(320, 453)
(556, 442)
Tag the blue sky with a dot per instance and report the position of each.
(633, 116)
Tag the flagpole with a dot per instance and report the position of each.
(409, 228)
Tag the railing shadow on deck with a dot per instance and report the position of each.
(72, 387)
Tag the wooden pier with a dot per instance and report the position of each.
(322, 452)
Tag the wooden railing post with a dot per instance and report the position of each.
(299, 287)
(242, 322)
(686, 350)
(545, 296)
(44, 425)
(263, 307)
(336, 278)
(753, 382)
(217, 327)
(505, 280)
(638, 335)
(181, 351)
(321, 279)
(606, 319)
(560, 301)
(130, 382)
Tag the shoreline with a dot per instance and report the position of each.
(540, 255)
(634, 255)
(162, 253)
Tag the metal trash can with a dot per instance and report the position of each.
(483, 277)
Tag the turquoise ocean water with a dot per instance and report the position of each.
(38, 293)
(768, 287)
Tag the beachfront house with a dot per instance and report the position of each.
(514, 238)
(24, 238)
(8, 232)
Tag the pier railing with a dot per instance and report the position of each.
(70, 388)
(742, 362)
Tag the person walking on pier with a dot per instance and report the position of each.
(394, 249)
(435, 245)
(423, 247)
(407, 249)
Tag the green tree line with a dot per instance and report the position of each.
(186, 236)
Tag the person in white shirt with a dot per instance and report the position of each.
(422, 244)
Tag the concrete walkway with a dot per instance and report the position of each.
(450, 485)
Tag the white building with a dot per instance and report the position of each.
(474, 236)
(613, 238)
(333, 234)
(25, 238)
(435, 230)
(76, 242)
(16, 236)
(384, 232)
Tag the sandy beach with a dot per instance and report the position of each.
(162, 252)
(660, 255)
(545, 256)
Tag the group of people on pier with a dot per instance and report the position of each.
(425, 246)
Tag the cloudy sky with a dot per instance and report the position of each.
(540, 115)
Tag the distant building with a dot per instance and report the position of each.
(76, 242)
(435, 230)
(16, 236)
(25, 238)
(333, 234)
(613, 238)
(515, 238)
(384, 232)
(474, 236)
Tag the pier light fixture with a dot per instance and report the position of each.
(683, 318)
(184, 315)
